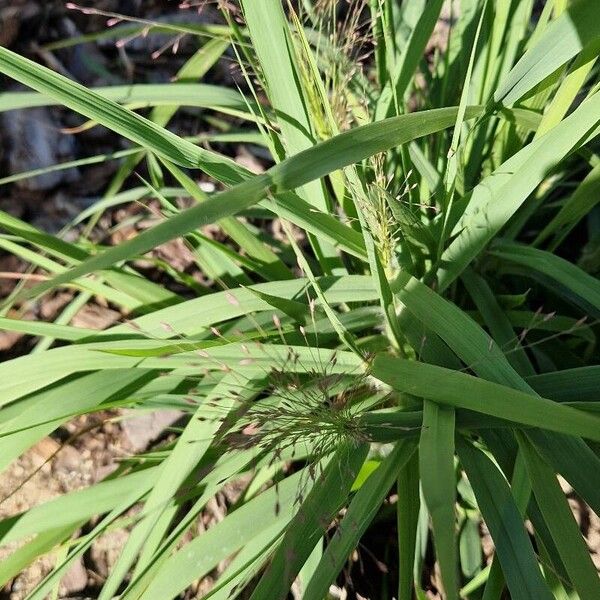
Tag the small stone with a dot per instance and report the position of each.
(142, 429)
(67, 460)
(35, 141)
(106, 550)
(75, 580)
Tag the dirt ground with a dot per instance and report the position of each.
(88, 448)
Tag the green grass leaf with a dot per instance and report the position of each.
(438, 481)
(482, 217)
(504, 521)
(357, 518)
(343, 150)
(562, 40)
(460, 390)
(311, 521)
(556, 273)
(561, 522)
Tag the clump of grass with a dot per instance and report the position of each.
(426, 346)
